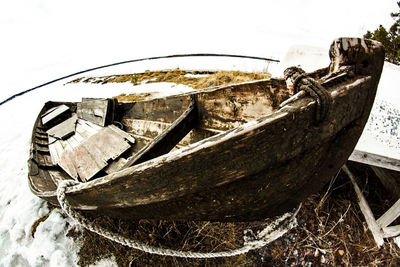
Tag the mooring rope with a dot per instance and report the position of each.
(302, 82)
(251, 241)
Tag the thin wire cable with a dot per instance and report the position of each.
(131, 61)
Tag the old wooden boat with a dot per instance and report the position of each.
(230, 153)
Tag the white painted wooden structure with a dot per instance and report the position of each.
(379, 147)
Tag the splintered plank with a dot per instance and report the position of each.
(122, 133)
(366, 210)
(94, 153)
(64, 129)
(86, 128)
(94, 110)
(67, 163)
(54, 113)
(56, 150)
(83, 130)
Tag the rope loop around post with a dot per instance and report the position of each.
(270, 233)
(300, 81)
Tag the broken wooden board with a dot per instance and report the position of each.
(366, 210)
(379, 228)
(53, 114)
(94, 154)
(83, 130)
(65, 129)
(66, 162)
(98, 111)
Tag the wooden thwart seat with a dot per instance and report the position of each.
(54, 115)
(168, 138)
(64, 129)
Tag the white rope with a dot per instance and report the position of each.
(272, 232)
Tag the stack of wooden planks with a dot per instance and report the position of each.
(83, 144)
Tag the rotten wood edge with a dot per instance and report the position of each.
(222, 137)
(283, 112)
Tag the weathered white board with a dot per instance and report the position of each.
(94, 110)
(64, 129)
(53, 113)
(379, 144)
(89, 156)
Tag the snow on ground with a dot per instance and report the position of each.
(308, 57)
(44, 40)
(381, 135)
(19, 208)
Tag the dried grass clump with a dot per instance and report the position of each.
(228, 77)
(179, 77)
(132, 97)
(185, 236)
(210, 78)
(207, 79)
(331, 232)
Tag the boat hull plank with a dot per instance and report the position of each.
(228, 159)
(254, 163)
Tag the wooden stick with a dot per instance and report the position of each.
(391, 231)
(389, 215)
(365, 209)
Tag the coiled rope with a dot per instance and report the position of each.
(272, 232)
(302, 82)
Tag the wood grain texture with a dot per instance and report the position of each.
(64, 129)
(87, 158)
(97, 111)
(261, 163)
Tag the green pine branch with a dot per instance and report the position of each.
(389, 38)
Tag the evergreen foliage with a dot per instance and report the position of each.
(389, 38)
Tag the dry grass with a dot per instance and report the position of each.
(185, 236)
(212, 79)
(204, 80)
(132, 97)
(207, 79)
(331, 232)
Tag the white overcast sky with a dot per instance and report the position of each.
(45, 39)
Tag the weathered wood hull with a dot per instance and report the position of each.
(256, 168)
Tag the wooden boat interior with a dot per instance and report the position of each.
(147, 129)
